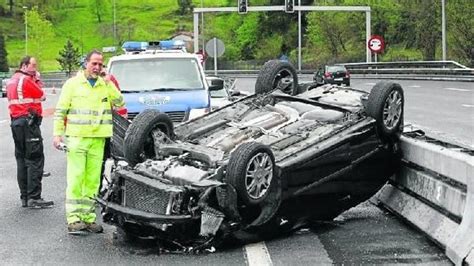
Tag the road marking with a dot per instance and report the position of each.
(370, 84)
(455, 89)
(468, 105)
(415, 86)
(4, 121)
(257, 254)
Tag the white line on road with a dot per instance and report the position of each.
(257, 254)
(468, 105)
(3, 121)
(370, 84)
(455, 89)
(415, 86)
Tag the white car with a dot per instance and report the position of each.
(4, 87)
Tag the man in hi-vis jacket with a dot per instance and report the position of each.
(84, 116)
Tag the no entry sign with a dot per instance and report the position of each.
(376, 44)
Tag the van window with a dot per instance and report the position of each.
(157, 73)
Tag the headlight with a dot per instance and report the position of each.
(195, 113)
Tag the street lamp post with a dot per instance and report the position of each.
(114, 27)
(26, 29)
(443, 28)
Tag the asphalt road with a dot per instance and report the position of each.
(362, 235)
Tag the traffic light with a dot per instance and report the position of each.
(289, 4)
(242, 6)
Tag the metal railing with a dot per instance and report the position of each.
(407, 64)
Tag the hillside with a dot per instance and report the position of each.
(411, 29)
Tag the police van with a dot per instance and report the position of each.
(162, 75)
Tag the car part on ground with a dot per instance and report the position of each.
(257, 166)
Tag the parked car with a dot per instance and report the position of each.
(336, 74)
(257, 166)
(3, 86)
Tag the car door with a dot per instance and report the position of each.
(321, 165)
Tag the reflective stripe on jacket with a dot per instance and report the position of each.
(24, 95)
(86, 109)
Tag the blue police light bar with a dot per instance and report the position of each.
(171, 45)
(134, 46)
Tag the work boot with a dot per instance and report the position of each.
(39, 203)
(94, 228)
(77, 228)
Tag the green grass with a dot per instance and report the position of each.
(137, 20)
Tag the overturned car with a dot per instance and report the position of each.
(256, 166)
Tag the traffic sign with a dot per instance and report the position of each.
(215, 47)
(376, 44)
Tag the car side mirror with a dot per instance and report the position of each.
(215, 83)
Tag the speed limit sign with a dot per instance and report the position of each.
(376, 44)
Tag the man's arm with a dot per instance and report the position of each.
(60, 115)
(116, 98)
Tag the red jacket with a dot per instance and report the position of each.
(122, 111)
(24, 94)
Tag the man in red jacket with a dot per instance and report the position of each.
(25, 95)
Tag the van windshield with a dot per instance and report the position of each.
(157, 74)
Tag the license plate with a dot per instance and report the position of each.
(338, 79)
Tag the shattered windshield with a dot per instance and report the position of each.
(157, 74)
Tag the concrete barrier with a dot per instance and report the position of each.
(434, 191)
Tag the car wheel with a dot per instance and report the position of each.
(120, 127)
(139, 137)
(385, 105)
(251, 172)
(276, 74)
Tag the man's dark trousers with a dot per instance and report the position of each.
(29, 156)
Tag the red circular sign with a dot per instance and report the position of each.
(376, 44)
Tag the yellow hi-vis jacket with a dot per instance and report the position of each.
(86, 111)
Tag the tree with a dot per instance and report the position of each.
(69, 58)
(97, 7)
(184, 6)
(40, 33)
(3, 55)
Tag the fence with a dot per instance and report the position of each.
(434, 191)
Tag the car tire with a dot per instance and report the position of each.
(247, 158)
(385, 104)
(138, 144)
(120, 125)
(274, 75)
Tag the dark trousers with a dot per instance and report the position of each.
(29, 156)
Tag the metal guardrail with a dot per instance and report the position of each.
(406, 64)
(416, 71)
(414, 68)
